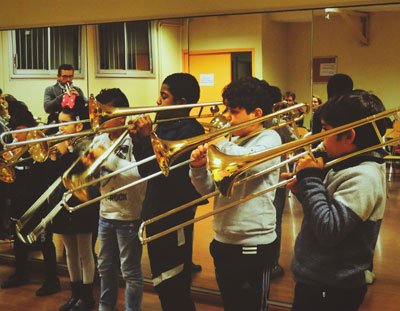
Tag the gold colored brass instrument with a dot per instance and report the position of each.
(97, 114)
(4, 109)
(98, 111)
(78, 174)
(183, 144)
(167, 151)
(226, 169)
(7, 173)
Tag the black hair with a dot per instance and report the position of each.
(21, 117)
(276, 94)
(291, 94)
(65, 67)
(249, 93)
(14, 104)
(112, 97)
(353, 106)
(79, 112)
(338, 84)
(183, 86)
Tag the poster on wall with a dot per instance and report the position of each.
(206, 79)
(324, 68)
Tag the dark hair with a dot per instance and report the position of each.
(249, 93)
(353, 106)
(338, 84)
(65, 67)
(14, 104)
(276, 94)
(79, 112)
(112, 97)
(21, 117)
(183, 86)
(291, 94)
(1, 91)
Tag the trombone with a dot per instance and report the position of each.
(167, 151)
(178, 148)
(226, 169)
(98, 113)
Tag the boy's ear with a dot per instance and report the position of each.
(350, 136)
(181, 101)
(258, 112)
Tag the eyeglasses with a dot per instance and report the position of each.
(66, 77)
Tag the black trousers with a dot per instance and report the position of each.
(165, 254)
(242, 274)
(309, 298)
(46, 245)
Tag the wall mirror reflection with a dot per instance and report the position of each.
(281, 48)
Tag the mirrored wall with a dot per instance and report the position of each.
(296, 51)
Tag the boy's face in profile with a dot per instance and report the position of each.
(166, 99)
(338, 145)
(68, 129)
(238, 115)
(20, 136)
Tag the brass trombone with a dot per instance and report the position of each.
(176, 148)
(226, 169)
(77, 180)
(167, 151)
(98, 113)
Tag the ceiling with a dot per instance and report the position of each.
(28, 13)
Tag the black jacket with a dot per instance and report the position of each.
(165, 193)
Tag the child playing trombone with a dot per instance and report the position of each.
(170, 256)
(120, 248)
(244, 246)
(342, 212)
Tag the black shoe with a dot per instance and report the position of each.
(76, 288)
(195, 268)
(49, 287)
(15, 280)
(86, 302)
(277, 272)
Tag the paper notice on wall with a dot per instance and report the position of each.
(206, 79)
(327, 69)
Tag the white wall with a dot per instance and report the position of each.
(374, 67)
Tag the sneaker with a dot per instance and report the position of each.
(195, 268)
(15, 280)
(369, 277)
(277, 272)
(49, 287)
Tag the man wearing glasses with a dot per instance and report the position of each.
(62, 94)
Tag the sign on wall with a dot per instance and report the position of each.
(324, 68)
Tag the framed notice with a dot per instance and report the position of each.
(324, 68)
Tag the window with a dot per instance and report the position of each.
(39, 51)
(125, 49)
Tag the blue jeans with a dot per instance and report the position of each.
(120, 246)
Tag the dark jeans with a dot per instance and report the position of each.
(307, 298)
(242, 274)
(46, 245)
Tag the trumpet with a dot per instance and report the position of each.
(225, 169)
